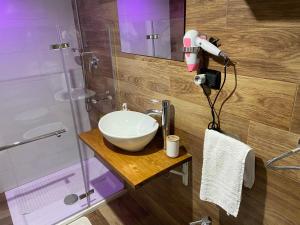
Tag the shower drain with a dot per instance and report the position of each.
(71, 199)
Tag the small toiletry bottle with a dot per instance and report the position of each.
(172, 146)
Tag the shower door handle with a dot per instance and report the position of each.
(59, 46)
(15, 144)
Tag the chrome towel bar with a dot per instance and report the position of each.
(270, 162)
(15, 144)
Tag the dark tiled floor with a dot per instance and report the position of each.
(122, 211)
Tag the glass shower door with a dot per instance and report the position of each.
(90, 83)
(41, 175)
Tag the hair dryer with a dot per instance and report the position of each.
(191, 42)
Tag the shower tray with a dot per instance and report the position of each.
(42, 201)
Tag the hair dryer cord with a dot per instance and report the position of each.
(215, 124)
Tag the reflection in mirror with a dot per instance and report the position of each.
(152, 27)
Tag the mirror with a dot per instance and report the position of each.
(152, 27)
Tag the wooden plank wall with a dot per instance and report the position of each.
(96, 36)
(262, 36)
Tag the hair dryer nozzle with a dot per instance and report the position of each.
(224, 56)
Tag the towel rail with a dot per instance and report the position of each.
(269, 163)
(15, 144)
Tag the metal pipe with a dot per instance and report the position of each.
(165, 118)
(15, 144)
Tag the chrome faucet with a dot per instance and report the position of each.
(165, 117)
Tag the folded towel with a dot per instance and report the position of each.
(224, 170)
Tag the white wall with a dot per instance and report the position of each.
(30, 76)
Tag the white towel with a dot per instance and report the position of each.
(224, 170)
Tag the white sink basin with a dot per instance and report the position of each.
(128, 130)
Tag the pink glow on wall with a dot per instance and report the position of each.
(27, 29)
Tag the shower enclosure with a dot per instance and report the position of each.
(46, 173)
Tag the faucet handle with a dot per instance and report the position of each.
(124, 107)
(155, 101)
(165, 103)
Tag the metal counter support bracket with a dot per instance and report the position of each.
(184, 173)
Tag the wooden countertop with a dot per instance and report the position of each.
(135, 168)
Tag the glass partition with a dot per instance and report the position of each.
(90, 77)
(41, 176)
(51, 86)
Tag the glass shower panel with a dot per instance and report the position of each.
(91, 88)
(76, 94)
(41, 180)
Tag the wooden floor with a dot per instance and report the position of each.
(5, 218)
(122, 211)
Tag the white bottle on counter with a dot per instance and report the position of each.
(172, 149)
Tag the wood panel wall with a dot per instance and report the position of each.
(262, 36)
(97, 33)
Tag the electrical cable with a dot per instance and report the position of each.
(224, 80)
(231, 93)
(212, 124)
(216, 125)
(218, 94)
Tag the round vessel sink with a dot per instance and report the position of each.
(128, 130)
